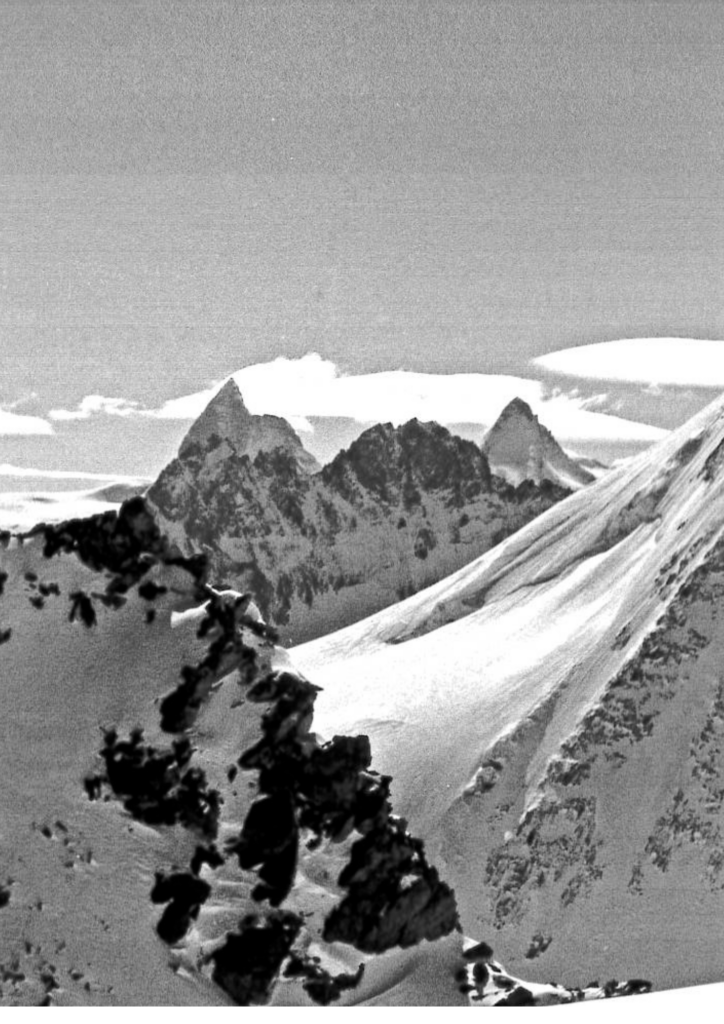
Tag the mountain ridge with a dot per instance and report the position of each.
(397, 510)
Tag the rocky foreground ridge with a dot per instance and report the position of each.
(400, 509)
(211, 823)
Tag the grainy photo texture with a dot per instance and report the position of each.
(361, 502)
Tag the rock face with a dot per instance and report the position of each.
(556, 725)
(398, 510)
(227, 427)
(520, 448)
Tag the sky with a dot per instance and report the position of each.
(445, 188)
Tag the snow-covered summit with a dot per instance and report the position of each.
(226, 424)
(520, 448)
(553, 715)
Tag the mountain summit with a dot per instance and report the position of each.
(520, 448)
(226, 424)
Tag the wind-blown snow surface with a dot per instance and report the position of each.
(553, 717)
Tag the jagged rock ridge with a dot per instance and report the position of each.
(520, 448)
(398, 510)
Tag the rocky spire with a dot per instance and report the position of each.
(226, 421)
(520, 448)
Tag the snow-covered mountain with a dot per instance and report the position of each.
(553, 716)
(172, 831)
(520, 448)
(400, 509)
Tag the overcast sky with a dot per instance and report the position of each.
(189, 188)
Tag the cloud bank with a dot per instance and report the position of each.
(682, 362)
(308, 387)
(12, 423)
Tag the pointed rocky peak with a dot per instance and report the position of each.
(226, 427)
(520, 448)
(517, 409)
(226, 417)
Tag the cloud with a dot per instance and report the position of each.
(682, 362)
(92, 404)
(7, 469)
(311, 386)
(12, 423)
(26, 399)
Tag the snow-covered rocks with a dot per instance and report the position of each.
(239, 860)
(161, 776)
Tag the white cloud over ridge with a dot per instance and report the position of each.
(299, 389)
(682, 362)
(311, 386)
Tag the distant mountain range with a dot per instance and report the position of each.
(398, 510)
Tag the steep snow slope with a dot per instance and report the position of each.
(130, 862)
(520, 448)
(400, 509)
(553, 716)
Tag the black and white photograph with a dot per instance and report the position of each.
(362, 505)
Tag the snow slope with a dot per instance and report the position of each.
(119, 885)
(520, 448)
(553, 716)
(93, 643)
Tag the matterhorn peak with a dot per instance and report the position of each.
(227, 427)
(519, 447)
